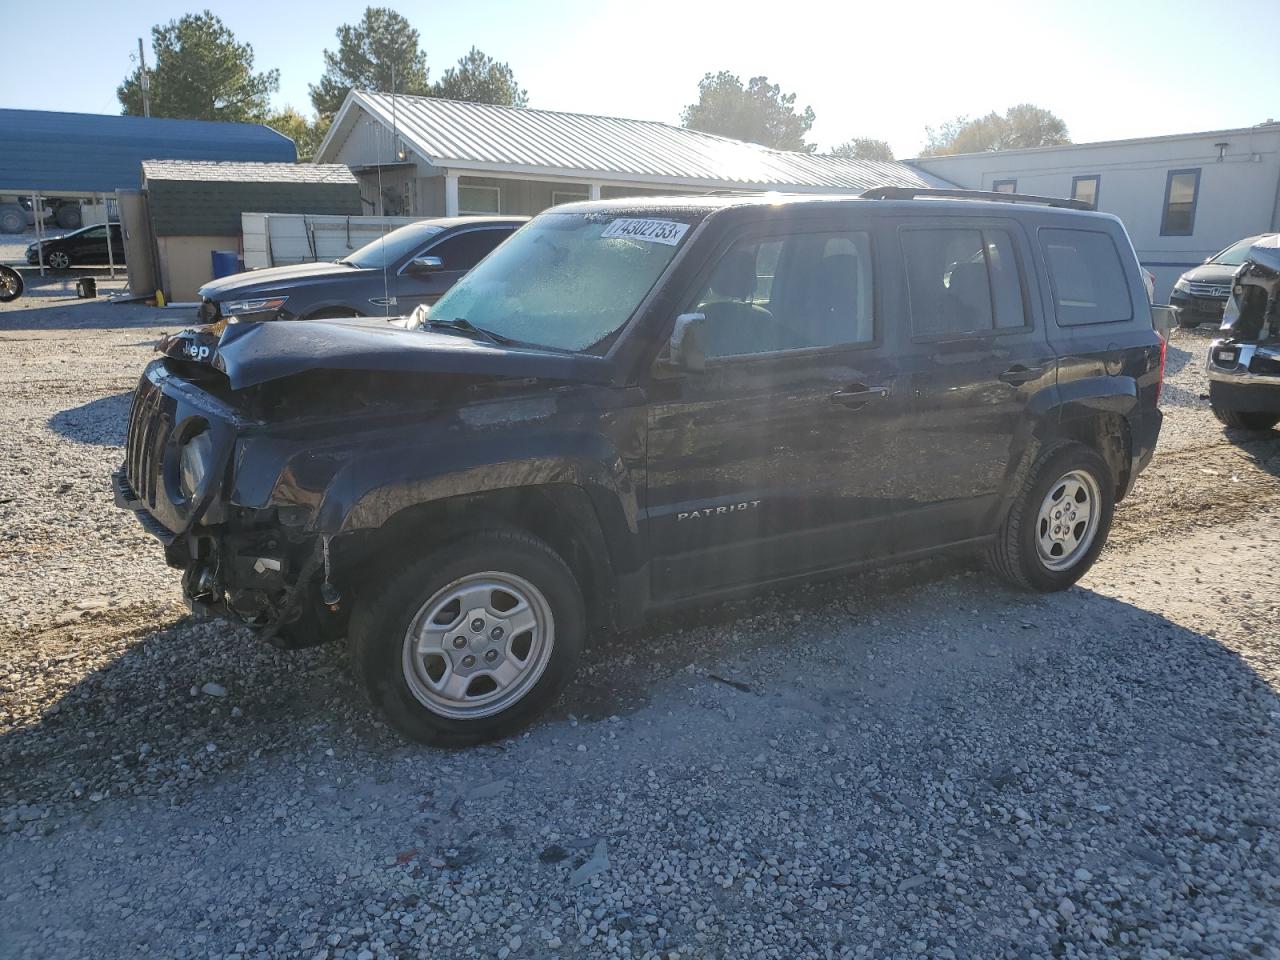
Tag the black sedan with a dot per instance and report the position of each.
(1200, 295)
(408, 267)
(80, 248)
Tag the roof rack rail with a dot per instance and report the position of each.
(910, 193)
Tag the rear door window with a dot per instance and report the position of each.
(1087, 277)
(962, 281)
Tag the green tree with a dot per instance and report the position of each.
(1024, 125)
(864, 148)
(305, 133)
(200, 73)
(371, 54)
(759, 112)
(481, 79)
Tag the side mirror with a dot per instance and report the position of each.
(688, 349)
(425, 264)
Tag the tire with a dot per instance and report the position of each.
(1018, 553)
(68, 216)
(400, 682)
(1246, 419)
(12, 220)
(57, 260)
(1188, 324)
(10, 284)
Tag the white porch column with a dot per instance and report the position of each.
(593, 191)
(450, 194)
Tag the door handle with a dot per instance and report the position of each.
(1019, 374)
(858, 395)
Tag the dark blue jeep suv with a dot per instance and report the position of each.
(636, 404)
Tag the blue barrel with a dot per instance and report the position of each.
(225, 263)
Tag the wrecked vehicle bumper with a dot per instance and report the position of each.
(1244, 376)
(1244, 367)
(252, 577)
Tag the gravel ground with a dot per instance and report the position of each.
(920, 763)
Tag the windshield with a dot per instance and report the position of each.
(566, 280)
(1236, 254)
(388, 250)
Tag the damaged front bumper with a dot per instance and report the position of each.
(257, 577)
(1244, 375)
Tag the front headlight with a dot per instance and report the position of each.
(262, 305)
(1182, 286)
(194, 463)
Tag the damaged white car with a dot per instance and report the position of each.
(1244, 365)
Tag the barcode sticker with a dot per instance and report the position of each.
(651, 231)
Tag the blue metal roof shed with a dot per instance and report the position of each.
(88, 153)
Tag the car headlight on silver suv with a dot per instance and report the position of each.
(193, 463)
(260, 305)
(1182, 286)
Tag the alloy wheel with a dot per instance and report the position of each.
(478, 645)
(1068, 520)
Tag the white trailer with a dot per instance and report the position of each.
(279, 239)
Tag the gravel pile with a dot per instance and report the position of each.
(920, 764)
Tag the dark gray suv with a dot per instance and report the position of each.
(408, 267)
(642, 403)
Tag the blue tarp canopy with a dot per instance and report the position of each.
(92, 153)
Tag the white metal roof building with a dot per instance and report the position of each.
(1182, 197)
(426, 156)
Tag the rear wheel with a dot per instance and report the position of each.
(1059, 519)
(472, 642)
(10, 284)
(1188, 324)
(1246, 419)
(68, 216)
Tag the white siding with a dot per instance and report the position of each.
(279, 239)
(1239, 194)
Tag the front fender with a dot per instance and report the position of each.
(370, 490)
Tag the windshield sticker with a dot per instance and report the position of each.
(651, 231)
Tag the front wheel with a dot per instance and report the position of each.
(12, 220)
(1246, 419)
(472, 642)
(57, 260)
(1059, 519)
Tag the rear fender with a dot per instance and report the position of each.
(1073, 410)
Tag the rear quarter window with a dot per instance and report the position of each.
(1087, 277)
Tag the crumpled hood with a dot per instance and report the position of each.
(258, 281)
(254, 353)
(1266, 253)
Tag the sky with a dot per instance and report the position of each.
(1110, 70)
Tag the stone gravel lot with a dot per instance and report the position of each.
(920, 763)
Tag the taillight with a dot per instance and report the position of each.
(1164, 349)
